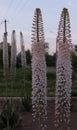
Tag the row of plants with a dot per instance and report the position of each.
(39, 82)
(10, 114)
(18, 89)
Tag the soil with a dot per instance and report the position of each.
(27, 120)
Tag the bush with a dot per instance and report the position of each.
(51, 76)
(50, 60)
(9, 117)
(74, 93)
(26, 102)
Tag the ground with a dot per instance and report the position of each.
(28, 124)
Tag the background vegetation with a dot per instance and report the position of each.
(22, 84)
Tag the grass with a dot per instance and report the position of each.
(20, 87)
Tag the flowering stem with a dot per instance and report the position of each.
(39, 123)
(63, 73)
(39, 82)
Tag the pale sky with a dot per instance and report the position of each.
(19, 14)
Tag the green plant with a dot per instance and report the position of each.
(26, 102)
(9, 116)
(74, 93)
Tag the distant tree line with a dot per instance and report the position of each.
(28, 58)
(50, 59)
(27, 52)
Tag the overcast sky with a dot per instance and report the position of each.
(19, 14)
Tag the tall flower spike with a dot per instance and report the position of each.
(64, 33)
(37, 29)
(39, 83)
(5, 55)
(23, 54)
(13, 53)
(63, 73)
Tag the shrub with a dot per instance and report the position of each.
(26, 102)
(9, 117)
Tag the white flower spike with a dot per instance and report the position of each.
(23, 54)
(63, 73)
(13, 53)
(39, 81)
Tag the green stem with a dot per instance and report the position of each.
(39, 123)
(37, 25)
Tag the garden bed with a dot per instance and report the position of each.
(28, 124)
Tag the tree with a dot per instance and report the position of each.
(18, 64)
(74, 62)
(50, 59)
(1, 58)
(28, 57)
(75, 46)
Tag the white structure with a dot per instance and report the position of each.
(39, 83)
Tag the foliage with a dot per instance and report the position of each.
(9, 117)
(28, 58)
(18, 90)
(28, 74)
(51, 59)
(1, 58)
(18, 65)
(74, 62)
(18, 87)
(74, 93)
(75, 46)
(51, 75)
(26, 102)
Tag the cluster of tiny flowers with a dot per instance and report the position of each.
(63, 76)
(13, 53)
(39, 83)
(5, 55)
(23, 55)
(63, 87)
(37, 28)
